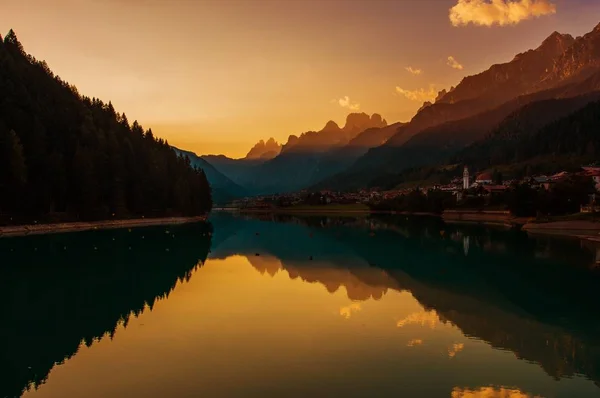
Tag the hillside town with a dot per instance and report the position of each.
(484, 184)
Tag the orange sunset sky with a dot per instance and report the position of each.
(215, 76)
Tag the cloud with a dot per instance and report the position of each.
(346, 312)
(345, 102)
(415, 72)
(420, 95)
(455, 349)
(453, 63)
(498, 12)
(489, 392)
(425, 318)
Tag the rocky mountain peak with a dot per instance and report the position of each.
(581, 56)
(358, 122)
(264, 150)
(331, 126)
(556, 43)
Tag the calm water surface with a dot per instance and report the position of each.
(297, 307)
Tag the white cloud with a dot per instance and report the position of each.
(419, 95)
(498, 12)
(453, 63)
(415, 72)
(345, 102)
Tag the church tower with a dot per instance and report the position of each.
(466, 184)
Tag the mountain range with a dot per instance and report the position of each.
(536, 88)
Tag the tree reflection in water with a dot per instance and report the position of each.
(61, 290)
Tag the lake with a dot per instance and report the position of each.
(285, 306)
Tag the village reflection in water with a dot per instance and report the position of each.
(296, 306)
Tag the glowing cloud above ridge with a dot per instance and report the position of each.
(453, 63)
(413, 71)
(345, 102)
(498, 12)
(419, 95)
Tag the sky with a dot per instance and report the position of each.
(216, 76)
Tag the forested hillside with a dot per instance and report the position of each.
(575, 136)
(524, 144)
(65, 156)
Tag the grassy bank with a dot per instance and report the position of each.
(38, 229)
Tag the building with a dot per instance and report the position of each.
(593, 172)
(466, 183)
(484, 179)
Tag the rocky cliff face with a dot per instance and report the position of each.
(583, 55)
(519, 76)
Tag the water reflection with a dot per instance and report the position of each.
(490, 392)
(534, 297)
(288, 306)
(59, 291)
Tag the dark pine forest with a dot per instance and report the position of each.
(68, 157)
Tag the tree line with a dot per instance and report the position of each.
(65, 156)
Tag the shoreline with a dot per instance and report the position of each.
(79, 226)
(581, 229)
(321, 211)
(572, 228)
(316, 211)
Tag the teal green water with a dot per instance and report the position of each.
(296, 307)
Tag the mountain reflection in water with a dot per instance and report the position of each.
(297, 306)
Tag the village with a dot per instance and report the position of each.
(484, 184)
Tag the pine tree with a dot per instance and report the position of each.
(64, 152)
(13, 167)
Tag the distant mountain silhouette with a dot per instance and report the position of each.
(332, 135)
(297, 165)
(264, 150)
(338, 159)
(223, 188)
(366, 151)
(240, 171)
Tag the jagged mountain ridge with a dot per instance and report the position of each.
(332, 134)
(264, 150)
(458, 117)
(298, 163)
(583, 55)
(300, 155)
(435, 144)
(512, 78)
(541, 85)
